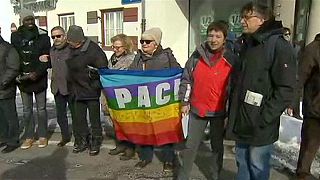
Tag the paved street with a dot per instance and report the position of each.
(55, 163)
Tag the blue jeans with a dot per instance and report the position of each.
(253, 161)
(29, 122)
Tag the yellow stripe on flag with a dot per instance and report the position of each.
(146, 115)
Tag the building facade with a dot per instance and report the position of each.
(183, 22)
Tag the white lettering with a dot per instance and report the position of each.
(176, 89)
(123, 96)
(143, 96)
(160, 99)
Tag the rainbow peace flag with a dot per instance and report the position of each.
(144, 105)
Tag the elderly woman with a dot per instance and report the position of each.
(206, 75)
(153, 57)
(121, 59)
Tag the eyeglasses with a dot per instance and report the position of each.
(287, 34)
(116, 47)
(145, 41)
(56, 36)
(246, 17)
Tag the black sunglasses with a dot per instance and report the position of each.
(56, 36)
(145, 41)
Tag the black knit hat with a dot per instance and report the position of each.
(75, 34)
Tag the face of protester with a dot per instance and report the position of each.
(118, 48)
(287, 36)
(215, 39)
(29, 22)
(59, 38)
(74, 45)
(251, 22)
(148, 46)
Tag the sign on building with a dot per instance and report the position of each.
(130, 1)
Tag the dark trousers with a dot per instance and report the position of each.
(9, 121)
(197, 126)
(61, 102)
(310, 142)
(28, 120)
(146, 152)
(80, 123)
(125, 145)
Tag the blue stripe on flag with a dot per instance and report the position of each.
(114, 78)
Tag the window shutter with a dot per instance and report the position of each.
(130, 14)
(43, 21)
(92, 17)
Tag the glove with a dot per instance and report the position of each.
(21, 78)
(18, 79)
(33, 76)
(93, 73)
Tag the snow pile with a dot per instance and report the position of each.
(286, 150)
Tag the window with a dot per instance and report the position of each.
(66, 20)
(112, 24)
(202, 14)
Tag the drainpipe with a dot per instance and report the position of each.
(21, 9)
(143, 16)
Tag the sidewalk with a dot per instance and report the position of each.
(57, 163)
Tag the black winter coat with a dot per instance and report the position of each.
(31, 44)
(83, 81)
(273, 79)
(309, 80)
(9, 70)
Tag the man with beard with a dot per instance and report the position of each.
(59, 53)
(31, 43)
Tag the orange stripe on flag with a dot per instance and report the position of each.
(171, 124)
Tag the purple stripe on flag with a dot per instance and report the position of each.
(134, 88)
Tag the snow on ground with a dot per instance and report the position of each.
(286, 150)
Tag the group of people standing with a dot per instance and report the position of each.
(250, 85)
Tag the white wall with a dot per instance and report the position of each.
(164, 14)
(6, 18)
(167, 15)
(314, 22)
(284, 11)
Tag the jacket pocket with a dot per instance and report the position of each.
(247, 121)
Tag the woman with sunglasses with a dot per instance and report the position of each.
(153, 57)
(121, 59)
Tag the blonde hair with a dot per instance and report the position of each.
(125, 40)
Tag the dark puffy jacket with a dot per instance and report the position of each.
(187, 79)
(31, 44)
(83, 79)
(309, 79)
(273, 79)
(161, 59)
(9, 69)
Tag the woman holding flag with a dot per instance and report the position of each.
(121, 59)
(153, 57)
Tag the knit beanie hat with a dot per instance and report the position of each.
(75, 34)
(25, 13)
(152, 34)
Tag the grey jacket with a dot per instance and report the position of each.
(58, 59)
(121, 63)
(9, 69)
